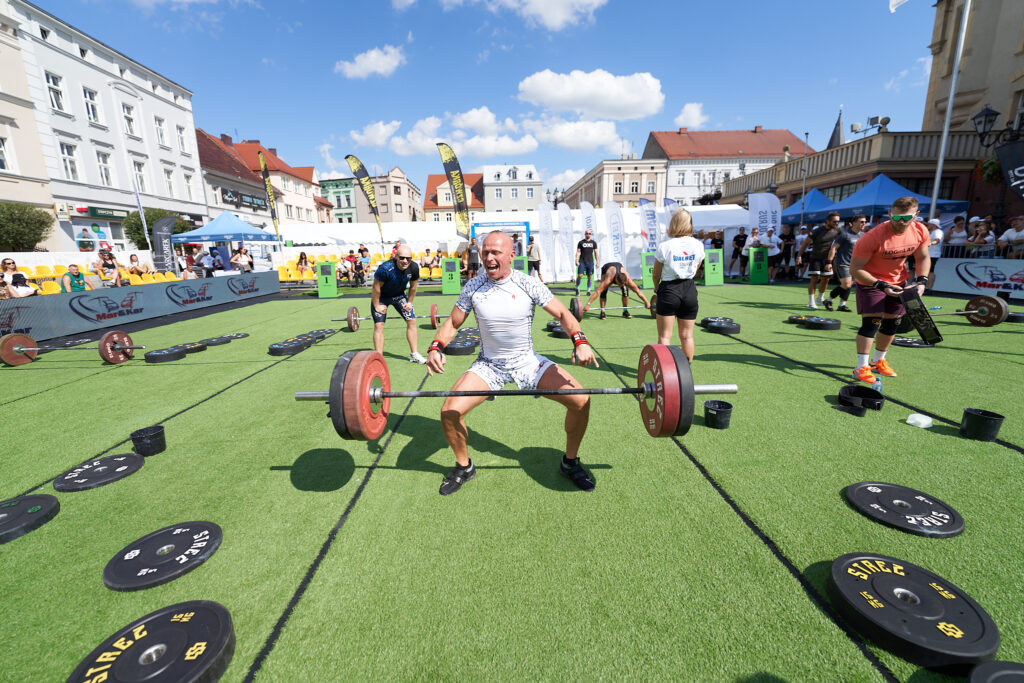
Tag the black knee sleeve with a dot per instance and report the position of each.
(844, 293)
(889, 326)
(868, 327)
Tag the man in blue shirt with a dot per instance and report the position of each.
(389, 282)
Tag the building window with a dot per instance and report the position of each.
(680, 179)
(56, 93)
(529, 175)
(4, 164)
(397, 189)
(92, 110)
(67, 156)
(437, 218)
(841, 192)
(181, 139)
(161, 132)
(188, 187)
(650, 187)
(497, 175)
(169, 181)
(634, 187)
(44, 33)
(288, 210)
(309, 215)
(103, 162)
(617, 187)
(515, 192)
(529, 191)
(713, 176)
(140, 175)
(497, 193)
(383, 208)
(398, 208)
(696, 177)
(726, 175)
(129, 118)
(448, 216)
(512, 174)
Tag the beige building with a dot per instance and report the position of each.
(991, 68)
(398, 199)
(625, 181)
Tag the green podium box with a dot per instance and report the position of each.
(450, 283)
(713, 271)
(758, 266)
(519, 263)
(326, 280)
(647, 267)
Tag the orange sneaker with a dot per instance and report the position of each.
(863, 373)
(882, 367)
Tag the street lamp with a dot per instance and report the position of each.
(772, 189)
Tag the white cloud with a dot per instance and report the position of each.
(325, 153)
(918, 76)
(484, 146)
(691, 116)
(402, 4)
(408, 38)
(895, 84)
(554, 15)
(483, 121)
(375, 134)
(422, 139)
(597, 94)
(564, 179)
(381, 61)
(575, 136)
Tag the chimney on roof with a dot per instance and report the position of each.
(758, 129)
(272, 150)
(226, 139)
(683, 131)
(254, 142)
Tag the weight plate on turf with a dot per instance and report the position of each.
(912, 612)
(669, 412)
(9, 349)
(18, 516)
(815, 323)
(654, 298)
(706, 321)
(557, 331)
(162, 556)
(236, 335)
(216, 341)
(986, 311)
(433, 316)
(997, 672)
(66, 344)
(95, 473)
(1015, 317)
(164, 355)
(576, 307)
(316, 335)
(797, 319)
(460, 347)
(723, 327)
(366, 370)
(352, 318)
(912, 342)
(289, 347)
(190, 641)
(552, 324)
(904, 508)
(904, 325)
(111, 345)
(193, 347)
(334, 398)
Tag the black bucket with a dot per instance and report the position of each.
(149, 440)
(979, 424)
(717, 414)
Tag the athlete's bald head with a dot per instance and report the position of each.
(496, 255)
(403, 257)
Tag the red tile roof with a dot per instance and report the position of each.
(322, 202)
(702, 144)
(475, 181)
(306, 173)
(216, 156)
(248, 150)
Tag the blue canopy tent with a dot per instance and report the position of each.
(814, 201)
(876, 198)
(226, 227)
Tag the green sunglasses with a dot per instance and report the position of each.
(903, 219)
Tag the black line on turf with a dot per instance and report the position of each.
(61, 386)
(808, 588)
(282, 621)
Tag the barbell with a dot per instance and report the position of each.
(18, 349)
(353, 318)
(359, 393)
(576, 307)
(981, 311)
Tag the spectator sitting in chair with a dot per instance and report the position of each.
(1012, 241)
(109, 267)
(19, 287)
(344, 271)
(73, 280)
(359, 272)
(136, 266)
(427, 262)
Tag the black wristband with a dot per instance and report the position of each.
(921, 280)
(435, 345)
(880, 285)
(579, 338)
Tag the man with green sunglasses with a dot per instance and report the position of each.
(879, 267)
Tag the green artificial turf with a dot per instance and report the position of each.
(655, 575)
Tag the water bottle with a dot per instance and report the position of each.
(878, 384)
(935, 308)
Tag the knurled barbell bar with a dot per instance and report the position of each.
(353, 318)
(981, 311)
(18, 349)
(360, 393)
(576, 307)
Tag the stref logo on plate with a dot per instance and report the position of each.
(187, 295)
(102, 307)
(243, 285)
(9, 315)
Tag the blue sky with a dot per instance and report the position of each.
(561, 84)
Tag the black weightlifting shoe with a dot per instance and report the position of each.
(602, 316)
(844, 308)
(828, 304)
(626, 314)
(574, 472)
(456, 478)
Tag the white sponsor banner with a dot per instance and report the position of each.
(649, 225)
(616, 231)
(765, 212)
(549, 263)
(980, 276)
(568, 245)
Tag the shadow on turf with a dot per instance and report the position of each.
(540, 464)
(761, 677)
(770, 362)
(320, 469)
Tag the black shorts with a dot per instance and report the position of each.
(678, 298)
(819, 266)
(398, 302)
(736, 253)
(532, 265)
(773, 261)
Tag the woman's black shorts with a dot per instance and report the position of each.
(678, 298)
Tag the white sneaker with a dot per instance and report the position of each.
(812, 305)
(415, 357)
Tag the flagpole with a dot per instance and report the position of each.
(803, 189)
(949, 107)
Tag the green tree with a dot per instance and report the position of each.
(133, 225)
(22, 227)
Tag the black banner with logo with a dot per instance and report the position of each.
(270, 194)
(363, 178)
(1011, 158)
(163, 252)
(458, 184)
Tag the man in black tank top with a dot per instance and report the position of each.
(614, 274)
(471, 259)
(586, 257)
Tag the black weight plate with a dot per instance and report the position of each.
(686, 395)
(237, 335)
(552, 324)
(557, 331)
(335, 398)
(18, 516)
(316, 335)
(190, 641)
(1015, 317)
(705, 321)
(904, 508)
(912, 612)
(162, 556)
(723, 328)
(164, 355)
(797, 319)
(654, 298)
(216, 341)
(460, 348)
(905, 325)
(912, 342)
(997, 672)
(287, 348)
(815, 323)
(66, 344)
(193, 347)
(95, 473)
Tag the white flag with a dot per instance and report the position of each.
(547, 240)
(893, 4)
(565, 234)
(616, 232)
(765, 212)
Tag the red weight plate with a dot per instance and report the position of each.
(986, 311)
(9, 353)
(366, 370)
(660, 413)
(108, 347)
(353, 318)
(433, 316)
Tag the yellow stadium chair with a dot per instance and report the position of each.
(291, 264)
(29, 275)
(159, 277)
(135, 279)
(43, 272)
(147, 279)
(435, 272)
(334, 257)
(170, 277)
(37, 287)
(321, 257)
(308, 275)
(59, 270)
(50, 287)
